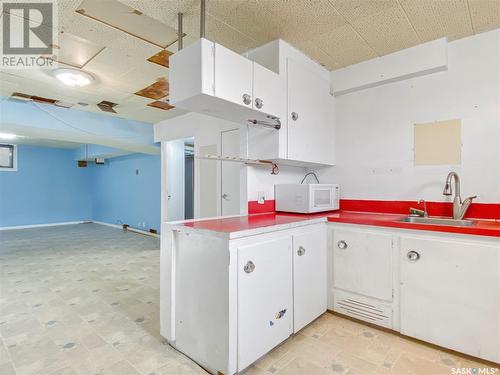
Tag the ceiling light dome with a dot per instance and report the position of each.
(73, 77)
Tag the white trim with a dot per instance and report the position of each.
(130, 229)
(44, 225)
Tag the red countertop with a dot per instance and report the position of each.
(482, 227)
(242, 223)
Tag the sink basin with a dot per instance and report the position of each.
(437, 221)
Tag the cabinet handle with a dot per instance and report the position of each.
(295, 116)
(413, 256)
(246, 99)
(301, 251)
(342, 245)
(249, 267)
(259, 103)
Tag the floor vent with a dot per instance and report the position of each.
(363, 308)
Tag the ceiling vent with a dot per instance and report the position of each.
(107, 106)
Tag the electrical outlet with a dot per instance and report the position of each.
(261, 197)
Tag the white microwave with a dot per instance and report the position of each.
(306, 198)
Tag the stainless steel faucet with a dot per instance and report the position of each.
(418, 212)
(459, 207)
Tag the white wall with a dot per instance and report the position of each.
(261, 180)
(375, 129)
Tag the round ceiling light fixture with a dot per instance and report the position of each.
(73, 77)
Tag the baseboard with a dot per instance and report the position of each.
(43, 225)
(130, 229)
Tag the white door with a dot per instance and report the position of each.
(175, 180)
(233, 76)
(362, 262)
(310, 126)
(230, 173)
(450, 294)
(268, 91)
(264, 297)
(309, 276)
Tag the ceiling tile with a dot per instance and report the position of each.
(251, 18)
(345, 46)
(485, 14)
(386, 31)
(76, 51)
(312, 50)
(435, 19)
(353, 10)
(130, 20)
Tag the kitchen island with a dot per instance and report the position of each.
(234, 288)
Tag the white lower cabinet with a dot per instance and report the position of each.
(226, 302)
(450, 294)
(309, 276)
(363, 275)
(264, 297)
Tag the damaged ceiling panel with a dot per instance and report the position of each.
(156, 90)
(161, 58)
(161, 105)
(129, 20)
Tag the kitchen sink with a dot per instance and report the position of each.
(437, 221)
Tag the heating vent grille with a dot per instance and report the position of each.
(363, 308)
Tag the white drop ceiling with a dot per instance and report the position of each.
(336, 33)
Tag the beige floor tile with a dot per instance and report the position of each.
(301, 366)
(7, 369)
(84, 299)
(121, 368)
(411, 364)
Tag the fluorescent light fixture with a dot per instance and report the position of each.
(7, 136)
(73, 77)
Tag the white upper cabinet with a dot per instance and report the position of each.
(310, 128)
(233, 76)
(306, 137)
(268, 91)
(206, 77)
(288, 89)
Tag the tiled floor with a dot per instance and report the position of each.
(83, 299)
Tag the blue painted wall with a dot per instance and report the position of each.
(48, 187)
(122, 196)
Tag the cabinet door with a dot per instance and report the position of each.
(309, 276)
(233, 76)
(450, 295)
(268, 91)
(362, 262)
(264, 297)
(310, 126)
